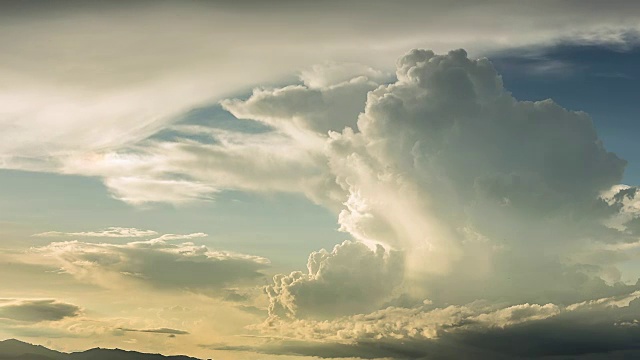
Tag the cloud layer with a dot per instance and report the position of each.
(154, 262)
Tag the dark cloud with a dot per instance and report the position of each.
(234, 296)
(253, 310)
(157, 331)
(37, 310)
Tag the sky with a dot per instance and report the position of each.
(302, 180)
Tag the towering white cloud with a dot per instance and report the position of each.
(446, 165)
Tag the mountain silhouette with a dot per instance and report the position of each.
(13, 349)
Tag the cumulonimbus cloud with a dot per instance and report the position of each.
(454, 194)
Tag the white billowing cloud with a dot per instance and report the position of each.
(623, 199)
(352, 278)
(622, 243)
(333, 73)
(446, 165)
(110, 232)
(319, 109)
(154, 262)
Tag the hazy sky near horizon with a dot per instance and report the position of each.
(340, 179)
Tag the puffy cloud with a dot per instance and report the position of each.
(352, 278)
(623, 199)
(36, 310)
(154, 262)
(449, 129)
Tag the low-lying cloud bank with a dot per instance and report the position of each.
(602, 328)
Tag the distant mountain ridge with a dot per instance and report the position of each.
(13, 349)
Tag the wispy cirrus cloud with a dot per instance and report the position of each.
(111, 232)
